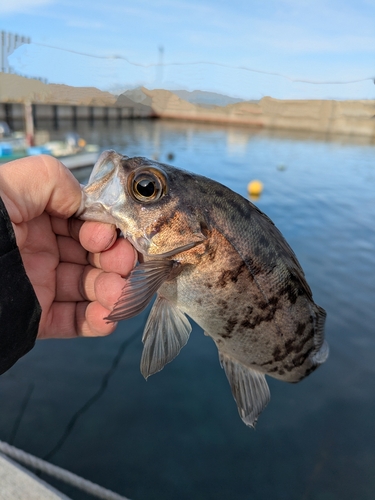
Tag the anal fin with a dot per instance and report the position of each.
(167, 331)
(249, 388)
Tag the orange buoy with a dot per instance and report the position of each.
(255, 188)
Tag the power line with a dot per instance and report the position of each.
(210, 63)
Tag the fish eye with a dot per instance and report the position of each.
(147, 185)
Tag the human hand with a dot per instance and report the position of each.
(75, 267)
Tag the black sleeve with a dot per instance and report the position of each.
(19, 307)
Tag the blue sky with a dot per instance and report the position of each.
(205, 45)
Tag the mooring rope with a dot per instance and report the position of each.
(59, 473)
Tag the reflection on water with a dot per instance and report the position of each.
(179, 435)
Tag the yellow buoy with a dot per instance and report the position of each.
(254, 188)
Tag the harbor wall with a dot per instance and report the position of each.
(54, 102)
(61, 102)
(15, 112)
(354, 117)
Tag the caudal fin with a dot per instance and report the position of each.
(321, 351)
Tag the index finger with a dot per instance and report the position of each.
(97, 236)
(120, 258)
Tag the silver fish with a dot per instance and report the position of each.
(212, 255)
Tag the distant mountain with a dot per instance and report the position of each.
(137, 95)
(200, 97)
(125, 101)
(204, 98)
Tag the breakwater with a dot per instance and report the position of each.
(20, 96)
(61, 102)
(322, 116)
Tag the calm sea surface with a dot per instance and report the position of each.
(84, 404)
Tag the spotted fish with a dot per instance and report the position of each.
(210, 254)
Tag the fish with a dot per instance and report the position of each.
(211, 255)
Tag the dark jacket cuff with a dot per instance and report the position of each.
(19, 307)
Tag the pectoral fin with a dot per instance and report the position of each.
(249, 389)
(140, 287)
(166, 332)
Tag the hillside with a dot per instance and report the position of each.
(18, 89)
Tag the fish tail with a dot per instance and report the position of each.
(321, 351)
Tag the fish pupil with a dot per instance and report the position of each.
(147, 185)
(146, 188)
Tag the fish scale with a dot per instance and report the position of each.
(212, 255)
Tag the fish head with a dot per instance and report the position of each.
(150, 203)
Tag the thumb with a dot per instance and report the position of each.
(32, 185)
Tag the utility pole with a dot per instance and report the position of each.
(159, 74)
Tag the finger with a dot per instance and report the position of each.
(108, 288)
(97, 236)
(81, 283)
(66, 227)
(104, 287)
(71, 251)
(92, 322)
(68, 282)
(94, 260)
(87, 283)
(120, 258)
(71, 319)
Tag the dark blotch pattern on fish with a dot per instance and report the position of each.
(309, 370)
(301, 358)
(254, 266)
(235, 205)
(229, 327)
(223, 304)
(289, 291)
(230, 276)
(300, 329)
(278, 355)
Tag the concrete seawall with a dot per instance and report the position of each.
(324, 116)
(55, 102)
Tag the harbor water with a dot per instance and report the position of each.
(84, 405)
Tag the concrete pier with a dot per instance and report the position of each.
(18, 483)
(57, 103)
(60, 102)
(13, 113)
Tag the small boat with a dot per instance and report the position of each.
(72, 151)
